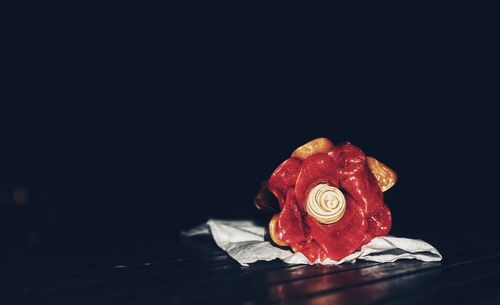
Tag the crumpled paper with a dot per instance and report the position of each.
(244, 242)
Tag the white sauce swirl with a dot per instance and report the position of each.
(326, 203)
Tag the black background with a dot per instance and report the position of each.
(123, 137)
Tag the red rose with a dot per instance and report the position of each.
(331, 200)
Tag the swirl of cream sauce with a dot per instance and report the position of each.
(326, 203)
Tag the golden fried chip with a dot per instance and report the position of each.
(386, 177)
(272, 232)
(319, 145)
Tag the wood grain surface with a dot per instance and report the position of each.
(194, 271)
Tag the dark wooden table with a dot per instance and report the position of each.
(195, 271)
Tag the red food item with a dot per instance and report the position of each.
(365, 215)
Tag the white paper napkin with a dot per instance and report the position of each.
(244, 241)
